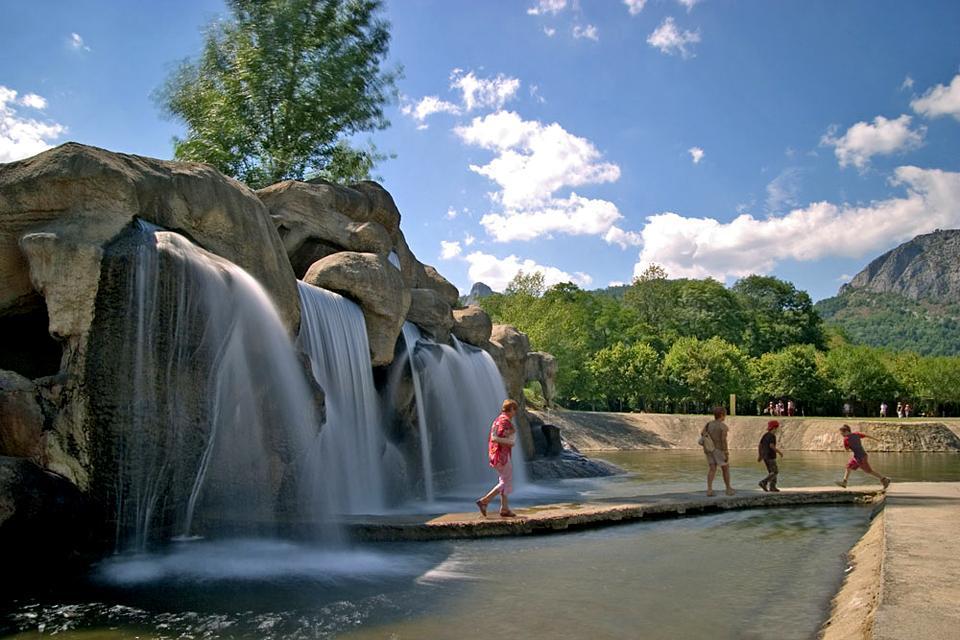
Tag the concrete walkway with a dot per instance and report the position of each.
(920, 574)
(554, 518)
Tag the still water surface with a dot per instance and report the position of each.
(748, 574)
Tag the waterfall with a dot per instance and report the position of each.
(223, 423)
(411, 335)
(353, 446)
(459, 395)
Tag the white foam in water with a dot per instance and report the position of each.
(256, 560)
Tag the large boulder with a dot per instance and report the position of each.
(431, 313)
(376, 285)
(542, 367)
(365, 201)
(472, 325)
(44, 520)
(21, 418)
(311, 228)
(429, 278)
(59, 208)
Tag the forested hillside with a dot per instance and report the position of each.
(681, 345)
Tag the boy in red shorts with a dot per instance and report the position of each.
(852, 442)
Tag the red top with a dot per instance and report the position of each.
(500, 453)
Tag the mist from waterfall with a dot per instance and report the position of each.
(461, 391)
(223, 421)
(353, 446)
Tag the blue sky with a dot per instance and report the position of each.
(586, 139)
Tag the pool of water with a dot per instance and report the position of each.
(748, 574)
(657, 471)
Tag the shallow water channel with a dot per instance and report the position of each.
(745, 574)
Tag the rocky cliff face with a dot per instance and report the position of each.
(927, 267)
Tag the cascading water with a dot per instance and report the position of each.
(460, 393)
(223, 422)
(411, 335)
(334, 337)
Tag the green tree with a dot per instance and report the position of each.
(624, 375)
(792, 374)
(279, 88)
(706, 371)
(858, 374)
(780, 315)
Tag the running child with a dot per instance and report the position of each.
(852, 442)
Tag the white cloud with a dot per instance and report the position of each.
(616, 235)
(670, 40)
(784, 189)
(700, 247)
(468, 239)
(907, 84)
(534, 160)
(688, 3)
(449, 250)
(635, 6)
(497, 272)
(616, 283)
(589, 31)
(34, 101)
(76, 43)
(483, 92)
(844, 277)
(574, 216)
(696, 153)
(451, 213)
(22, 137)
(426, 107)
(863, 140)
(544, 7)
(550, 31)
(940, 100)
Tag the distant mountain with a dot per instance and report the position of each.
(614, 291)
(477, 291)
(925, 268)
(907, 299)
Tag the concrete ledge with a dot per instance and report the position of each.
(555, 518)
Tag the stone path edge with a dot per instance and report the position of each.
(558, 518)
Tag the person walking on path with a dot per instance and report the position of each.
(852, 442)
(502, 438)
(883, 409)
(768, 452)
(717, 451)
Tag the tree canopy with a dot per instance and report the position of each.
(677, 345)
(281, 86)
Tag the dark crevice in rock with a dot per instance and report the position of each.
(26, 345)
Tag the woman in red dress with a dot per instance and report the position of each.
(502, 438)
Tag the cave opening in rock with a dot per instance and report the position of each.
(26, 345)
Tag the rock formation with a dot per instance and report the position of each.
(927, 267)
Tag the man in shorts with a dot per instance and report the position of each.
(716, 430)
(852, 442)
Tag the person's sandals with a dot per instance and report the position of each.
(763, 485)
(730, 492)
(710, 493)
(483, 507)
(774, 489)
(507, 514)
(840, 483)
(885, 482)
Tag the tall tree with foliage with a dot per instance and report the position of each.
(708, 371)
(780, 315)
(791, 374)
(280, 86)
(626, 376)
